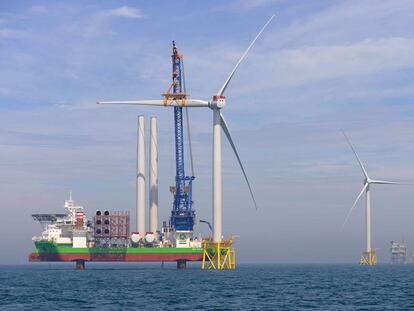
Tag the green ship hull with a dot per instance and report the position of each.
(50, 251)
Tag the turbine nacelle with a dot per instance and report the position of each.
(218, 102)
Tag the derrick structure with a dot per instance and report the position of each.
(182, 215)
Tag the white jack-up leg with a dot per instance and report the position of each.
(140, 177)
(217, 187)
(368, 218)
(153, 176)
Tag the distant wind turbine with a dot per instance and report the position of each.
(368, 257)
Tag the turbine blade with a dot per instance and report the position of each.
(161, 102)
(384, 182)
(355, 203)
(223, 88)
(227, 132)
(356, 155)
(150, 102)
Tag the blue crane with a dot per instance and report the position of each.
(182, 214)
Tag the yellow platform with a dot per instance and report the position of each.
(368, 258)
(218, 255)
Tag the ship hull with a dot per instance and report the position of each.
(48, 251)
(36, 257)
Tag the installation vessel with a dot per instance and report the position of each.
(107, 237)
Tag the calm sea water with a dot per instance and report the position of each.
(250, 287)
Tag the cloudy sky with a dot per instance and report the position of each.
(321, 66)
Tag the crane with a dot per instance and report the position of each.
(182, 215)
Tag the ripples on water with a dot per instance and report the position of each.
(250, 287)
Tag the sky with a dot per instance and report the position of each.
(320, 66)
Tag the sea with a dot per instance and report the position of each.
(58, 286)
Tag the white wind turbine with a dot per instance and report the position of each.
(369, 256)
(216, 104)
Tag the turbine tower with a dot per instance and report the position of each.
(368, 257)
(178, 99)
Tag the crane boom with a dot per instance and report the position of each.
(182, 215)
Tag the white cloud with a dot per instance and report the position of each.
(342, 39)
(272, 67)
(98, 23)
(123, 11)
(324, 62)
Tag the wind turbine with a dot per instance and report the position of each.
(368, 257)
(217, 103)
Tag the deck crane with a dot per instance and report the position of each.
(182, 214)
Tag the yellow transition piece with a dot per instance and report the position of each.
(218, 255)
(368, 258)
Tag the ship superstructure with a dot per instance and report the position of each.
(70, 228)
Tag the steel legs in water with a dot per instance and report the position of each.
(181, 264)
(80, 264)
(368, 258)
